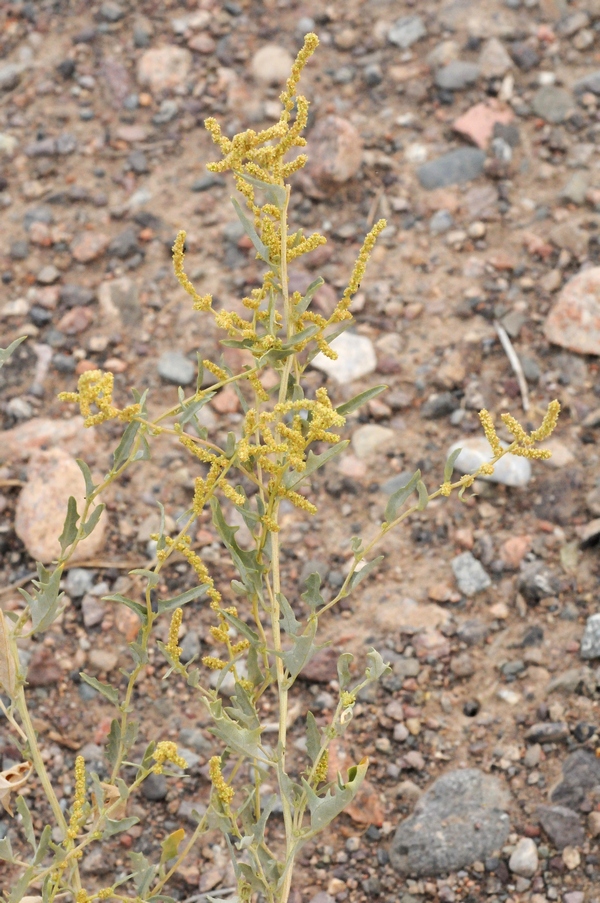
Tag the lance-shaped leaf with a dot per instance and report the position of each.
(241, 627)
(245, 562)
(289, 622)
(18, 890)
(359, 576)
(189, 595)
(6, 852)
(275, 194)
(397, 499)
(323, 809)
(170, 845)
(313, 737)
(8, 667)
(343, 669)
(118, 825)
(239, 739)
(449, 465)
(308, 296)
(314, 462)
(302, 650)
(123, 449)
(43, 846)
(69, 532)
(192, 408)
(251, 232)
(87, 476)
(423, 496)
(143, 873)
(93, 519)
(110, 693)
(5, 353)
(353, 404)
(26, 822)
(312, 596)
(137, 607)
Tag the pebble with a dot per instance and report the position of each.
(79, 582)
(574, 320)
(453, 168)
(571, 857)
(92, 610)
(356, 358)
(271, 65)
(509, 471)
(10, 76)
(552, 104)
(72, 295)
(43, 669)
(459, 820)
(119, 302)
(524, 858)
(439, 405)
(589, 82)
(581, 775)
(494, 59)
(175, 367)
(124, 244)
(576, 188)
(102, 660)
(334, 151)
(470, 574)
(52, 476)
(371, 439)
(562, 825)
(524, 55)
(480, 122)
(190, 646)
(548, 732)
(164, 68)
(593, 823)
(440, 222)
(456, 75)
(89, 246)
(590, 642)
(48, 274)
(463, 665)
(155, 787)
(406, 31)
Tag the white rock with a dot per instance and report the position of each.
(164, 68)
(372, 438)
(510, 470)
(271, 65)
(52, 477)
(524, 858)
(356, 358)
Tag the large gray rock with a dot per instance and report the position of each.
(453, 168)
(510, 470)
(406, 31)
(590, 642)
(461, 819)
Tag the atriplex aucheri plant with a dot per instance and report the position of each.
(265, 639)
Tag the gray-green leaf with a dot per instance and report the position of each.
(449, 466)
(423, 496)
(69, 532)
(359, 400)
(106, 690)
(397, 499)
(5, 353)
(359, 576)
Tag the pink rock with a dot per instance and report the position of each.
(574, 321)
(89, 246)
(514, 550)
(39, 234)
(334, 152)
(22, 441)
(132, 133)
(52, 477)
(202, 43)
(226, 401)
(75, 320)
(477, 124)
(164, 68)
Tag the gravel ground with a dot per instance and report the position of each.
(473, 128)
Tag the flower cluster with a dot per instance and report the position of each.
(79, 801)
(224, 791)
(523, 443)
(94, 390)
(166, 751)
(172, 646)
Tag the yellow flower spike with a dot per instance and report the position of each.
(446, 489)
(311, 42)
(513, 425)
(535, 454)
(79, 801)
(548, 423)
(222, 788)
(489, 429)
(360, 267)
(214, 369)
(176, 620)
(166, 751)
(213, 663)
(201, 302)
(322, 768)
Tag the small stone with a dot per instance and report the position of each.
(372, 439)
(175, 367)
(513, 551)
(548, 732)
(48, 274)
(95, 863)
(43, 669)
(72, 295)
(440, 222)
(453, 168)
(478, 124)
(462, 665)
(573, 896)
(590, 642)
(138, 162)
(190, 646)
(470, 574)
(271, 65)
(574, 321)
(459, 820)
(509, 471)
(92, 610)
(164, 68)
(88, 246)
(79, 582)
(593, 823)
(356, 358)
(524, 55)
(119, 301)
(75, 320)
(19, 250)
(589, 83)
(102, 660)
(155, 787)
(406, 31)
(10, 76)
(124, 244)
(494, 59)
(552, 104)
(111, 11)
(439, 405)
(571, 858)
(52, 477)
(456, 75)
(335, 152)
(576, 188)
(524, 858)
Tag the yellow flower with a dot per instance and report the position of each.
(223, 789)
